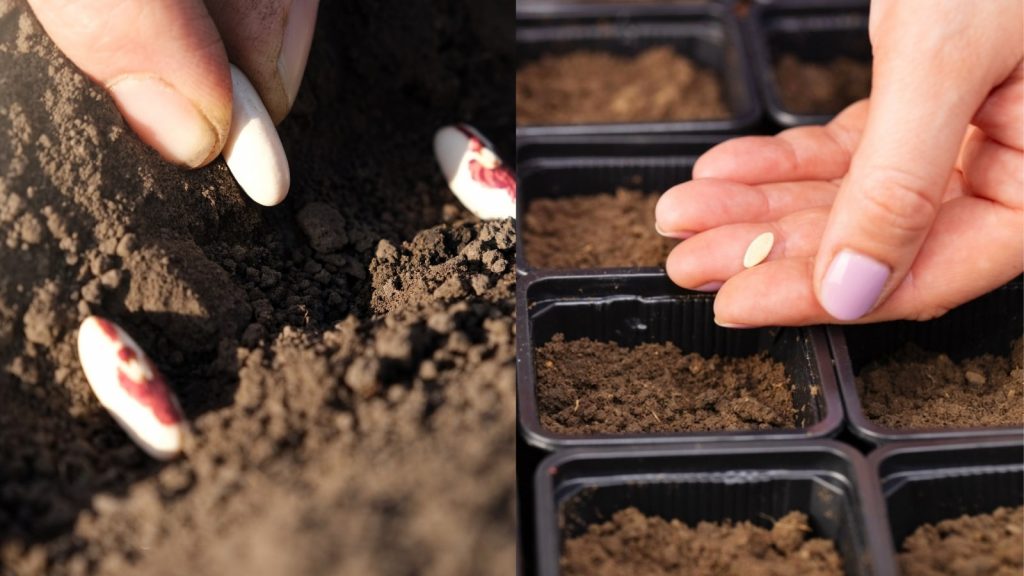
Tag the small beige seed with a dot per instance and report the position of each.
(758, 250)
(975, 378)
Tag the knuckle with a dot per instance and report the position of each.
(899, 201)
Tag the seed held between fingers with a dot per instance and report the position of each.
(130, 387)
(758, 250)
(253, 150)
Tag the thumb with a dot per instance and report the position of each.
(929, 79)
(161, 60)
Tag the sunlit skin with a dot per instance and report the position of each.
(926, 176)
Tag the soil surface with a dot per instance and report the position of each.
(986, 544)
(810, 88)
(594, 231)
(346, 359)
(589, 87)
(589, 387)
(919, 389)
(633, 544)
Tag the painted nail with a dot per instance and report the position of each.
(165, 119)
(732, 325)
(852, 285)
(130, 387)
(677, 235)
(476, 175)
(709, 287)
(253, 150)
(295, 43)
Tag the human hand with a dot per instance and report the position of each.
(903, 207)
(165, 62)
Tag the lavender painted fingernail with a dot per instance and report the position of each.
(852, 285)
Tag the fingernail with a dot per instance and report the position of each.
(165, 119)
(731, 325)
(298, 36)
(709, 287)
(677, 235)
(852, 285)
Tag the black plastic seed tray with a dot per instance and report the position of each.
(816, 31)
(926, 482)
(985, 325)
(631, 309)
(755, 482)
(577, 166)
(709, 34)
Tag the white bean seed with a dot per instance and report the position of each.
(253, 150)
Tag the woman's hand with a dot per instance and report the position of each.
(903, 207)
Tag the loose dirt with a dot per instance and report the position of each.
(810, 88)
(919, 389)
(981, 544)
(589, 387)
(588, 87)
(594, 231)
(634, 544)
(346, 359)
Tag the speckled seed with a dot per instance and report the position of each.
(475, 174)
(130, 387)
(758, 250)
(253, 150)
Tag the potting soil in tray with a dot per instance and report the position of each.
(634, 544)
(981, 544)
(918, 389)
(590, 87)
(811, 88)
(588, 387)
(346, 359)
(594, 231)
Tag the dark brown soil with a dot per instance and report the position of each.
(587, 87)
(594, 231)
(633, 544)
(350, 387)
(986, 544)
(918, 389)
(810, 88)
(588, 387)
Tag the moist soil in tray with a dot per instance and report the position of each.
(346, 359)
(980, 544)
(591, 87)
(634, 544)
(589, 387)
(813, 88)
(594, 231)
(918, 389)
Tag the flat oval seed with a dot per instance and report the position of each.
(253, 150)
(758, 250)
(130, 387)
(475, 174)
